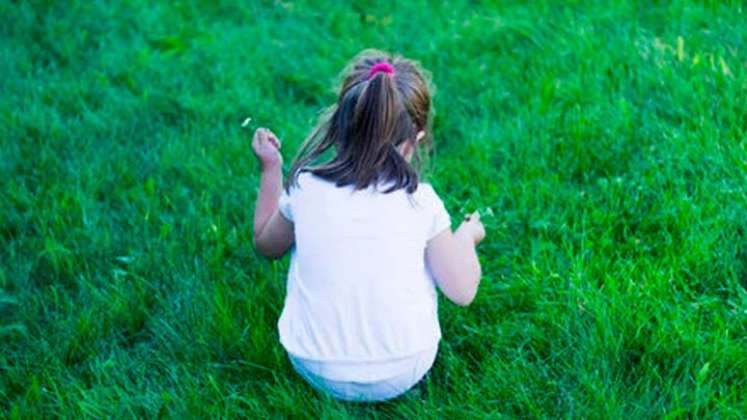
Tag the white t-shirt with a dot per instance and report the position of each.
(358, 287)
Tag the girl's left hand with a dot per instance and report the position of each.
(266, 147)
(474, 227)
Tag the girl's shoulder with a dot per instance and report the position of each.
(425, 188)
(305, 180)
(426, 191)
(426, 198)
(433, 208)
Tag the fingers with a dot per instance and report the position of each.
(473, 225)
(474, 217)
(274, 141)
(259, 136)
(263, 136)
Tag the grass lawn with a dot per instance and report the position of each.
(609, 139)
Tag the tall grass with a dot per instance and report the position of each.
(608, 138)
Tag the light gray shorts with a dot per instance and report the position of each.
(416, 367)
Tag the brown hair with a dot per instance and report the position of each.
(372, 117)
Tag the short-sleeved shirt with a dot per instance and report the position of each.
(358, 287)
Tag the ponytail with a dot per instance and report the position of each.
(366, 127)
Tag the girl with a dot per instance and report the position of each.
(369, 242)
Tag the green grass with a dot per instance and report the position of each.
(609, 138)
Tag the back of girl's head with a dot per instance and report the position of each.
(384, 101)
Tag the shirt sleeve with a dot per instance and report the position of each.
(284, 206)
(439, 217)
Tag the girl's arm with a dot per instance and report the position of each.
(273, 234)
(452, 260)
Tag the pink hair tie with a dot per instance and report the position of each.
(381, 67)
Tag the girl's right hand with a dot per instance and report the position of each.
(266, 147)
(473, 227)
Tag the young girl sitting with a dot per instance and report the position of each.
(369, 242)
